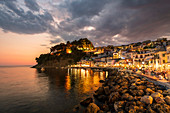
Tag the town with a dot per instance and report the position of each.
(149, 56)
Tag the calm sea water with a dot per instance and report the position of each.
(27, 90)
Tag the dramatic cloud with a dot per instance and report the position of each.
(31, 4)
(104, 22)
(15, 19)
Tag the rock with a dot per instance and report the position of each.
(92, 108)
(133, 109)
(167, 99)
(102, 98)
(156, 94)
(100, 91)
(134, 80)
(119, 105)
(146, 99)
(124, 83)
(139, 103)
(105, 107)
(140, 92)
(148, 90)
(86, 102)
(113, 97)
(162, 108)
(101, 81)
(159, 100)
(124, 87)
(106, 90)
(76, 108)
(125, 96)
(130, 98)
(141, 87)
(114, 88)
(132, 87)
(140, 82)
(150, 110)
(133, 92)
(160, 91)
(124, 91)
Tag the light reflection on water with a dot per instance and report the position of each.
(23, 89)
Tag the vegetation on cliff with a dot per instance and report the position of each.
(65, 54)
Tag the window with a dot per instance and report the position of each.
(163, 55)
(163, 61)
(141, 56)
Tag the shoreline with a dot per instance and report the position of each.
(124, 92)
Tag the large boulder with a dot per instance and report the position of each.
(92, 108)
(100, 91)
(86, 102)
(156, 94)
(159, 100)
(167, 99)
(146, 99)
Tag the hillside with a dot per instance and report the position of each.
(65, 54)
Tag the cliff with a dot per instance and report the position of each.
(64, 54)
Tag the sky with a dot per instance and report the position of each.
(29, 28)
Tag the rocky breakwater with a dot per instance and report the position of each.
(122, 92)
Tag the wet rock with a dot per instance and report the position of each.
(150, 110)
(139, 82)
(167, 99)
(92, 108)
(148, 90)
(159, 100)
(133, 92)
(139, 103)
(133, 109)
(113, 97)
(162, 108)
(140, 92)
(141, 87)
(125, 96)
(150, 86)
(156, 94)
(160, 91)
(146, 99)
(102, 98)
(100, 91)
(130, 98)
(105, 107)
(134, 80)
(114, 88)
(124, 91)
(132, 87)
(106, 90)
(119, 105)
(124, 83)
(86, 102)
(124, 87)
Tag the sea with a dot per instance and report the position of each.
(28, 90)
